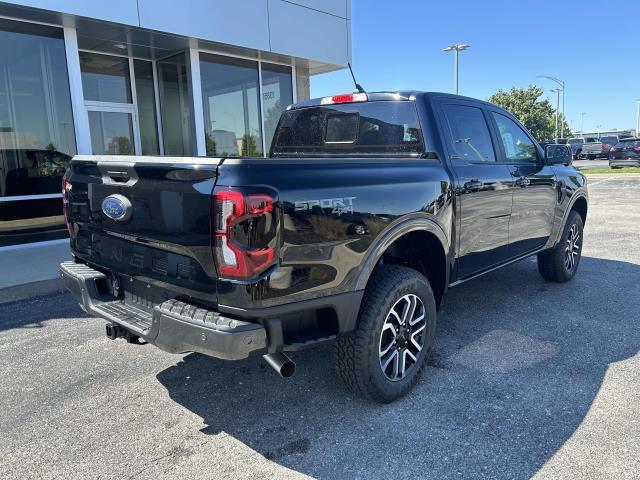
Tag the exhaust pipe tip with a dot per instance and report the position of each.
(283, 365)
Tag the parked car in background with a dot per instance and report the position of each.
(610, 140)
(594, 148)
(576, 146)
(625, 153)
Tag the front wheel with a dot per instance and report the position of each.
(560, 264)
(384, 357)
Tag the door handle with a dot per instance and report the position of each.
(473, 185)
(523, 181)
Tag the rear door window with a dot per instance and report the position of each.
(469, 134)
(363, 128)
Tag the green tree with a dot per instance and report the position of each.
(250, 146)
(120, 145)
(210, 144)
(537, 114)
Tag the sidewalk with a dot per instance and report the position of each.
(31, 270)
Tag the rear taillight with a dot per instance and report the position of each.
(636, 149)
(244, 233)
(603, 147)
(613, 150)
(66, 188)
(344, 98)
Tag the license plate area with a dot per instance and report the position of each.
(141, 294)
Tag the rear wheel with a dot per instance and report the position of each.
(560, 264)
(384, 357)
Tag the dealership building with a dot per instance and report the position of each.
(147, 77)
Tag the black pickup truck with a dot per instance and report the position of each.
(367, 209)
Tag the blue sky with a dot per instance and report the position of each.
(398, 44)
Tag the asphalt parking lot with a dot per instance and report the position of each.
(528, 379)
(591, 164)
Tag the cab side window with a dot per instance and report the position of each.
(469, 134)
(518, 147)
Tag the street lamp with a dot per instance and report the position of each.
(557, 90)
(562, 86)
(638, 120)
(456, 49)
(582, 123)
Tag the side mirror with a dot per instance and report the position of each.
(558, 154)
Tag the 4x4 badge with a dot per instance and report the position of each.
(338, 206)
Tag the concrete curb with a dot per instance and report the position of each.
(31, 290)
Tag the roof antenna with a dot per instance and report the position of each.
(359, 88)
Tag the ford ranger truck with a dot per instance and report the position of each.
(367, 209)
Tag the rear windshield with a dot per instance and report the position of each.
(366, 128)
(609, 140)
(576, 140)
(630, 142)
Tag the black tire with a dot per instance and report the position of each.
(554, 265)
(357, 355)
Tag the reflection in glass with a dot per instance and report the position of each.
(231, 106)
(105, 78)
(111, 133)
(35, 109)
(143, 73)
(175, 106)
(277, 94)
(36, 130)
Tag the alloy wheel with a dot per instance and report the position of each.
(572, 249)
(402, 337)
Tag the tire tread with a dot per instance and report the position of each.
(351, 351)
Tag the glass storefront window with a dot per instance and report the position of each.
(105, 78)
(111, 133)
(231, 106)
(36, 124)
(145, 96)
(37, 137)
(175, 106)
(277, 94)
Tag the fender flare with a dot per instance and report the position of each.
(574, 198)
(408, 224)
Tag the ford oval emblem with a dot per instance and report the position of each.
(117, 207)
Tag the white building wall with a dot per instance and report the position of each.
(312, 29)
(302, 32)
(243, 23)
(118, 11)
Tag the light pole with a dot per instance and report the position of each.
(582, 123)
(557, 90)
(562, 87)
(638, 120)
(456, 49)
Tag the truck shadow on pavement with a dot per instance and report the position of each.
(517, 365)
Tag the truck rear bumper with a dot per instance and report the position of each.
(174, 326)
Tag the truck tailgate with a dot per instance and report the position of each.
(145, 218)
